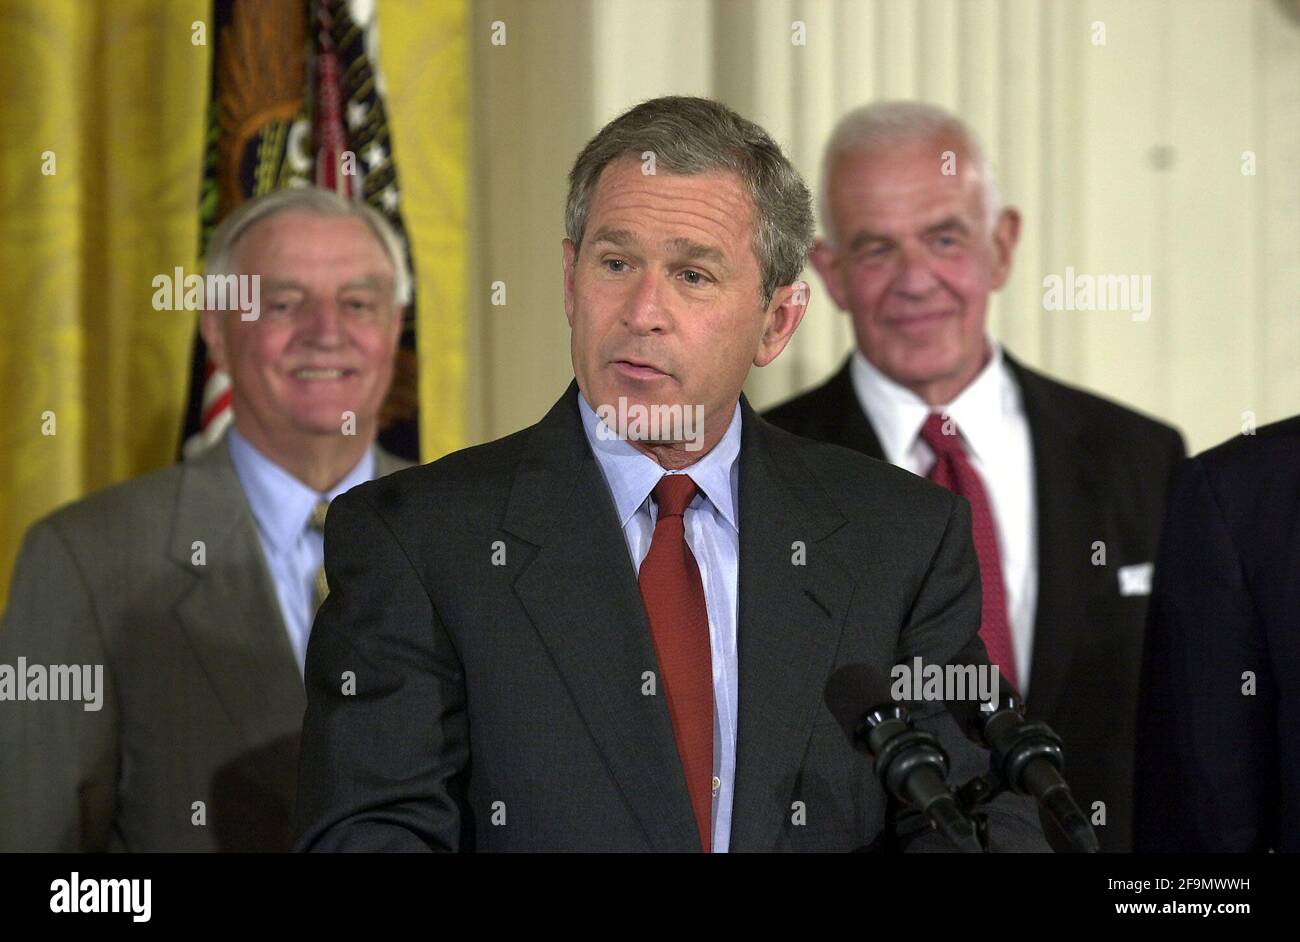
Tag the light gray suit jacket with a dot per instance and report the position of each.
(202, 700)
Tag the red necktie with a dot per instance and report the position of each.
(679, 623)
(953, 470)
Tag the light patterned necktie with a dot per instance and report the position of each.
(320, 588)
(953, 470)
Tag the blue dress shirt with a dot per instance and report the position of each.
(713, 532)
(282, 506)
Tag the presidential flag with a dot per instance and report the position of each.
(297, 98)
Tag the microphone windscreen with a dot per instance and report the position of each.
(853, 690)
(970, 714)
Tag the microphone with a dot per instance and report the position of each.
(910, 763)
(1027, 756)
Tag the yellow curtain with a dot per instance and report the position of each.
(101, 133)
(423, 50)
(101, 143)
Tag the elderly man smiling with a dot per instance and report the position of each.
(1066, 488)
(196, 585)
(570, 640)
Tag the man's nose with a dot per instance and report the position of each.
(915, 277)
(644, 311)
(322, 323)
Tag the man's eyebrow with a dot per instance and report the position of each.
(949, 223)
(620, 237)
(863, 236)
(290, 284)
(692, 250)
(365, 281)
(688, 248)
(281, 284)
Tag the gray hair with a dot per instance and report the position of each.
(314, 201)
(697, 135)
(884, 125)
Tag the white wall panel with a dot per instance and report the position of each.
(1124, 158)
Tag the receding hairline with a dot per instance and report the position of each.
(890, 126)
(685, 246)
(376, 281)
(689, 136)
(935, 145)
(306, 201)
(238, 244)
(630, 157)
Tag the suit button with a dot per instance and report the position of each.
(717, 783)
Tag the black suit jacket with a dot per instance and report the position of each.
(486, 608)
(1219, 763)
(1101, 474)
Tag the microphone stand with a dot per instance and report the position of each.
(1029, 741)
(979, 791)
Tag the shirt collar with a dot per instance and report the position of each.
(282, 504)
(897, 414)
(632, 475)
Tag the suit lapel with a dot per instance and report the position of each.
(848, 423)
(580, 592)
(790, 620)
(230, 612)
(1064, 484)
(386, 462)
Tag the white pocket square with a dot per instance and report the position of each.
(1135, 579)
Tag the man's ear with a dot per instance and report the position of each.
(1006, 233)
(789, 304)
(570, 260)
(399, 319)
(211, 324)
(822, 257)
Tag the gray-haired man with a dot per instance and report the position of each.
(1067, 488)
(190, 592)
(612, 630)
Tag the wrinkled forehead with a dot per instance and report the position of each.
(294, 241)
(712, 207)
(908, 186)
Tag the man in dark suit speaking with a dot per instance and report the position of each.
(1066, 488)
(611, 631)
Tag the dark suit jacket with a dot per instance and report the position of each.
(1101, 473)
(203, 701)
(486, 609)
(1219, 767)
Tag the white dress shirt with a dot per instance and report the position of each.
(995, 435)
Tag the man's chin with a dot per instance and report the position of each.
(911, 367)
(343, 424)
(623, 400)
